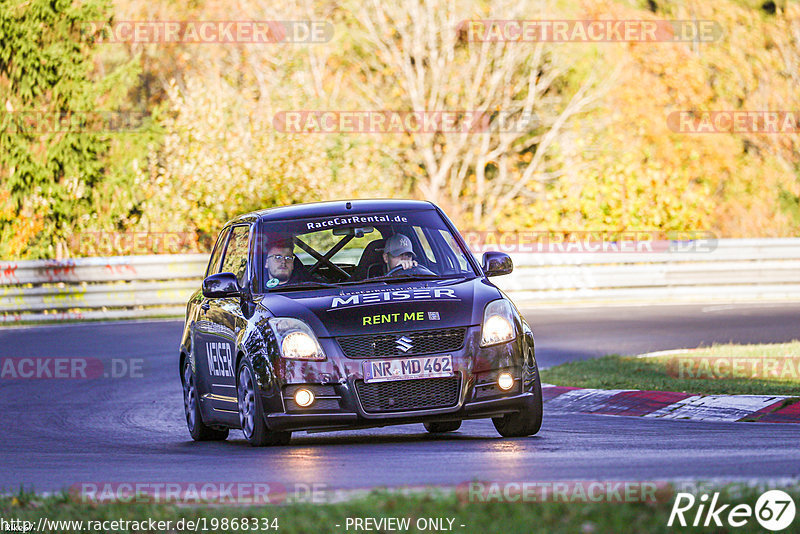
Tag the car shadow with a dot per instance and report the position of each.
(383, 439)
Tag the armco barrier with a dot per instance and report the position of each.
(146, 286)
(98, 288)
(735, 270)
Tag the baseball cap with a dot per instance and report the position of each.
(398, 244)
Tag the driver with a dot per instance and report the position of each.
(280, 263)
(398, 252)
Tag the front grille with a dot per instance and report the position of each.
(385, 345)
(403, 395)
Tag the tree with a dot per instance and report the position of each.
(425, 57)
(47, 77)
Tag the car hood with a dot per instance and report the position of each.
(382, 307)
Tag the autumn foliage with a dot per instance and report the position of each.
(596, 152)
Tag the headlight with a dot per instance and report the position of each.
(498, 323)
(296, 339)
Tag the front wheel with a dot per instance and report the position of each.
(191, 406)
(251, 413)
(528, 420)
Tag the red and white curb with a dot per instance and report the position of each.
(672, 405)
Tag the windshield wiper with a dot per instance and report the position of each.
(299, 286)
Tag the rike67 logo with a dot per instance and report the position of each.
(774, 510)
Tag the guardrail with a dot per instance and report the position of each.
(98, 288)
(148, 286)
(735, 270)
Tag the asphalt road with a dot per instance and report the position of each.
(61, 432)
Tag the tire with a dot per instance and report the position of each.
(191, 407)
(439, 427)
(251, 412)
(528, 420)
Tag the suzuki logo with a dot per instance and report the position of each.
(404, 344)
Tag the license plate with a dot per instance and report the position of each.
(408, 368)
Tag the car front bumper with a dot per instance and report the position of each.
(480, 409)
(339, 387)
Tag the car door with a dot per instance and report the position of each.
(223, 318)
(201, 328)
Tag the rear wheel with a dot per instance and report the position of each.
(442, 426)
(528, 420)
(251, 413)
(194, 419)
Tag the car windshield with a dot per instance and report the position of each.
(356, 249)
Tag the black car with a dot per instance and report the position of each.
(353, 314)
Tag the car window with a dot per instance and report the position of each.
(350, 248)
(447, 237)
(235, 260)
(322, 241)
(213, 262)
(426, 247)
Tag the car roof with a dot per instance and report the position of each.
(332, 209)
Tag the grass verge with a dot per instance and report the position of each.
(770, 369)
(506, 517)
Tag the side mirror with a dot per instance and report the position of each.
(220, 286)
(497, 263)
